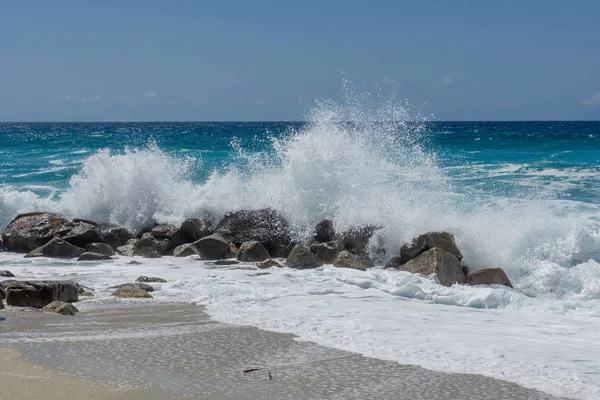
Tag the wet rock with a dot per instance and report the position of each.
(139, 285)
(132, 293)
(252, 251)
(215, 247)
(346, 259)
(269, 264)
(88, 256)
(150, 247)
(29, 231)
(356, 240)
(439, 263)
(79, 234)
(133, 262)
(196, 228)
(281, 251)
(100, 248)
(324, 231)
(265, 226)
(128, 248)
(60, 307)
(39, 293)
(56, 248)
(422, 243)
(7, 274)
(226, 262)
(150, 279)
(489, 276)
(327, 251)
(302, 258)
(81, 291)
(185, 250)
(114, 236)
(171, 232)
(394, 263)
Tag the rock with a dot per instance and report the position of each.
(150, 247)
(1, 308)
(139, 285)
(281, 251)
(394, 263)
(81, 291)
(100, 248)
(196, 228)
(269, 264)
(147, 229)
(114, 236)
(171, 232)
(302, 258)
(327, 251)
(7, 274)
(215, 247)
(29, 231)
(87, 221)
(324, 231)
(356, 239)
(88, 256)
(60, 307)
(346, 259)
(420, 244)
(128, 248)
(39, 293)
(150, 279)
(252, 251)
(56, 248)
(489, 276)
(79, 234)
(265, 226)
(226, 262)
(436, 262)
(132, 293)
(185, 250)
(133, 262)
(2, 292)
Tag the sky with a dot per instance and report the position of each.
(147, 60)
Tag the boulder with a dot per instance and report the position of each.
(2, 292)
(394, 263)
(114, 236)
(150, 247)
(302, 258)
(139, 285)
(79, 234)
(488, 276)
(81, 291)
(420, 244)
(60, 307)
(281, 251)
(1, 307)
(185, 250)
(225, 262)
(252, 251)
(128, 248)
(56, 248)
(324, 231)
(265, 226)
(30, 231)
(89, 256)
(39, 293)
(215, 247)
(171, 232)
(100, 248)
(196, 228)
(327, 251)
(133, 262)
(150, 279)
(6, 274)
(356, 239)
(132, 292)
(439, 263)
(346, 259)
(268, 264)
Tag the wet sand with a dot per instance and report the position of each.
(172, 351)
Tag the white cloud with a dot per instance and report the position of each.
(447, 80)
(150, 94)
(593, 101)
(71, 97)
(389, 81)
(122, 98)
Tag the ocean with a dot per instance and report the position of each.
(522, 196)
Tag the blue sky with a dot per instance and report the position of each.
(269, 60)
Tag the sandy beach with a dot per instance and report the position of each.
(171, 351)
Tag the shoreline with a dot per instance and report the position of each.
(177, 351)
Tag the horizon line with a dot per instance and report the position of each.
(278, 121)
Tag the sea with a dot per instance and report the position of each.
(522, 196)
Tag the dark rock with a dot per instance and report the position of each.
(171, 232)
(252, 251)
(2, 292)
(6, 274)
(215, 247)
(150, 279)
(29, 231)
(87, 221)
(100, 248)
(79, 234)
(324, 231)
(281, 251)
(114, 236)
(196, 228)
(88, 256)
(185, 250)
(138, 285)
(356, 239)
(466, 270)
(420, 244)
(489, 276)
(81, 291)
(302, 258)
(60, 307)
(147, 229)
(327, 251)
(269, 264)
(128, 248)
(226, 262)
(394, 263)
(439, 263)
(346, 259)
(151, 247)
(39, 293)
(133, 262)
(265, 226)
(56, 248)
(132, 293)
